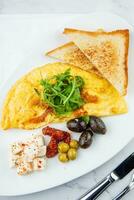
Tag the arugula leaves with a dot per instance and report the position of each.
(62, 92)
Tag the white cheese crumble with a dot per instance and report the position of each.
(29, 155)
(39, 163)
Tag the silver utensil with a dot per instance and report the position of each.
(126, 189)
(118, 173)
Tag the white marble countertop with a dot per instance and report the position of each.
(72, 190)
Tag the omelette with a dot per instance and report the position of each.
(23, 108)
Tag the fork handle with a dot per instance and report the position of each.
(124, 192)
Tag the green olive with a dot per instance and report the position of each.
(63, 147)
(63, 157)
(74, 144)
(72, 154)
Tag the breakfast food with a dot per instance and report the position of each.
(76, 125)
(74, 144)
(93, 123)
(70, 53)
(72, 154)
(85, 139)
(97, 125)
(87, 126)
(89, 82)
(61, 142)
(25, 106)
(67, 152)
(63, 157)
(28, 156)
(56, 137)
(107, 51)
(63, 147)
(62, 92)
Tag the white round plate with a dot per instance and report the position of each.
(43, 36)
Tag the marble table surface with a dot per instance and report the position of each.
(73, 189)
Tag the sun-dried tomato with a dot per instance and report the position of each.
(67, 138)
(52, 148)
(56, 137)
(59, 135)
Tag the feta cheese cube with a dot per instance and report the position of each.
(29, 155)
(13, 160)
(16, 148)
(31, 152)
(39, 140)
(39, 164)
(24, 168)
(42, 151)
(19, 160)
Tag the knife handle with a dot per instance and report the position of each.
(98, 189)
(124, 192)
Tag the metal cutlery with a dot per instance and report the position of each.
(126, 189)
(118, 173)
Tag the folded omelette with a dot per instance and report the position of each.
(23, 107)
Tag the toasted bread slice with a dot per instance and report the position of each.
(107, 51)
(71, 54)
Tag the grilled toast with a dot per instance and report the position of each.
(71, 54)
(107, 51)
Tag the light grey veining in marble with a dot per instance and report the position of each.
(125, 8)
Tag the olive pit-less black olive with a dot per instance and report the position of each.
(85, 139)
(77, 125)
(97, 125)
(90, 130)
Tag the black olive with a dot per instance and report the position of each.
(85, 139)
(97, 125)
(77, 125)
(90, 130)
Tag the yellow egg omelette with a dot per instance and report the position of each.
(23, 107)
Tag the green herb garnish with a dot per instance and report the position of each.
(62, 92)
(85, 118)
